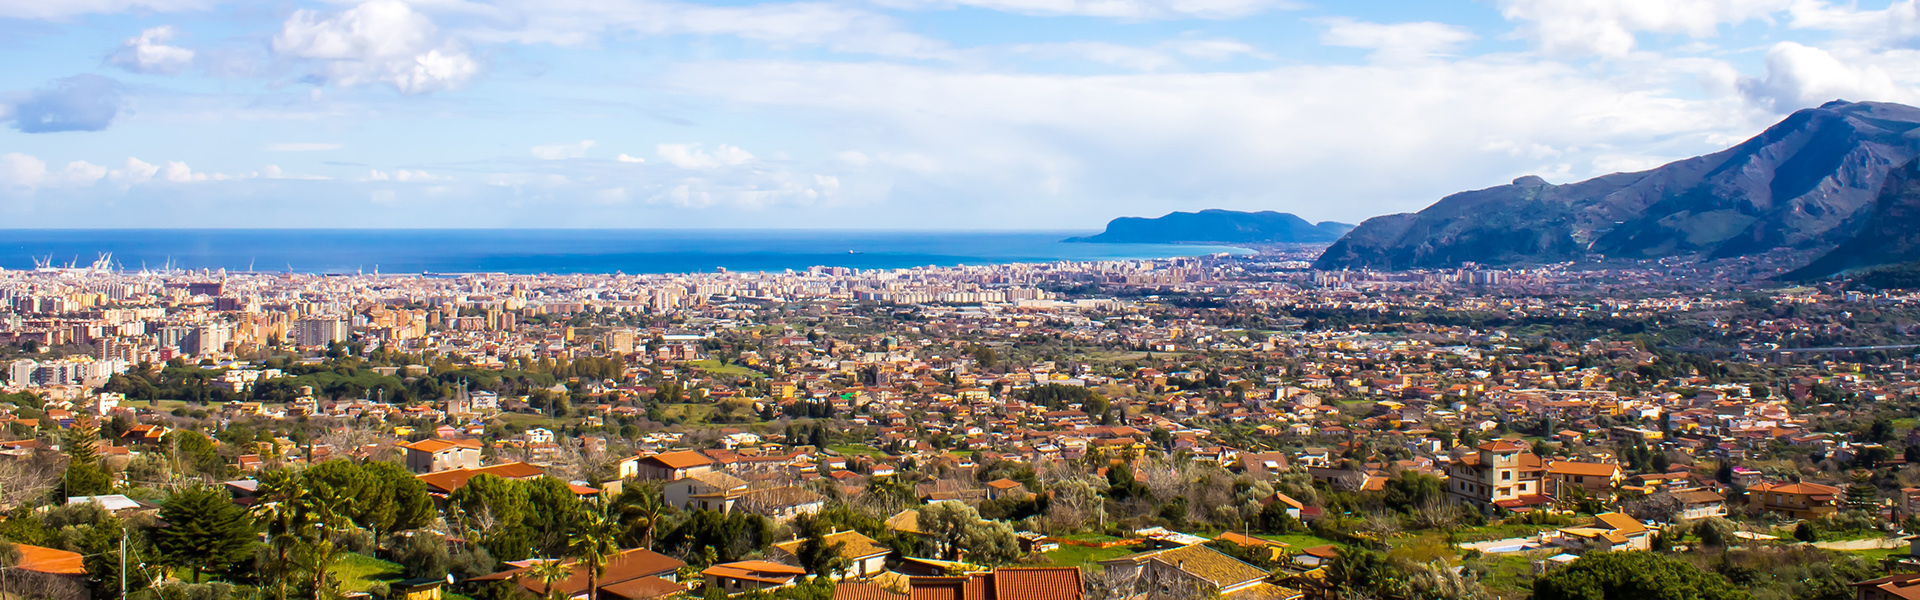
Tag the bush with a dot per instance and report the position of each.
(423, 555)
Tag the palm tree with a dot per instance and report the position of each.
(281, 494)
(593, 543)
(324, 516)
(551, 573)
(641, 508)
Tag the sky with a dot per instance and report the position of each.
(882, 114)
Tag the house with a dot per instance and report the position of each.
(46, 572)
(1503, 473)
(1027, 583)
(1294, 507)
(865, 557)
(120, 505)
(429, 456)
(1316, 557)
(747, 575)
(1188, 569)
(1898, 586)
(430, 588)
(1275, 550)
(632, 574)
(1795, 500)
(1264, 467)
(1700, 504)
(441, 483)
(1609, 531)
(704, 491)
(674, 466)
(1007, 488)
(1595, 480)
(782, 504)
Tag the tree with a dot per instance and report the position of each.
(281, 493)
(593, 543)
(1635, 576)
(1805, 533)
(205, 532)
(816, 554)
(323, 515)
(640, 508)
(83, 476)
(551, 573)
(954, 528)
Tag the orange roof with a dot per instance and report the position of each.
(445, 482)
(1037, 583)
(1567, 467)
(681, 460)
(864, 591)
(1502, 446)
(50, 561)
(1809, 489)
(440, 445)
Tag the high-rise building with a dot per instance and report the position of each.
(319, 331)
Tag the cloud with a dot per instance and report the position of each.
(149, 53)
(563, 151)
(83, 102)
(1378, 137)
(1609, 27)
(64, 9)
(1134, 10)
(1801, 76)
(629, 159)
(403, 176)
(691, 156)
(835, 26)
(382, 41)
(1396, 42)
(302, 146)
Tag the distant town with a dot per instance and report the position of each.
(1226, 426)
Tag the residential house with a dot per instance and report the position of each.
(1503, 473)
(747, 575)
(1027, 583)
(432, 455)
(1566, 478)
(1898, 586)
(632, 575)
(1795, 500)
(674, 466)
(704, 491)
(782, 503)
(1194, 569)
(865, 557)
(1700, 504)
(1609, 531)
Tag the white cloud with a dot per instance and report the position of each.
(1801, 76)
(625, 158)
(562, 151)
(302, 147)
(81, 172)
(1398, 41)
(403, 176)
(21, 171)
(135, 171)
(64, 9)
(1379, 137)
(1118, 9)
(149, 53)
(381, 41)
(691, 156)
(834, 26)
(1609, 27)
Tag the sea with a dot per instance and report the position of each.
(557, 251)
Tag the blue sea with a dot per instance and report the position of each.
(629, 251)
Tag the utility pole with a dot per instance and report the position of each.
(123, 564)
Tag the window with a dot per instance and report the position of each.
(1506, 475)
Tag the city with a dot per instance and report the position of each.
(1238, 426)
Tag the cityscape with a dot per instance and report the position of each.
(959, 300)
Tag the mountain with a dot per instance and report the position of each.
(1891, 233)
(1807, 182)
(1219, 226)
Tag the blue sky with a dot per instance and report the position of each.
(901, 114)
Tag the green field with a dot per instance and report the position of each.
(856, 449)
(1298, 542)
(1074, 556)
(714, 367)
(357, 572)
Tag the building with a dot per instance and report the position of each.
(318, 332)
(1700, 504)
(429, 456)
(782, 504)
(747, 575)
(632, 574)
(1609, 531)
(1030, 583)
(865, 557)
(704, 491)
(1502, 472)
(1898, 586)
(1795, 500)
(1193, 570)
(1566, 478)
(674, 465)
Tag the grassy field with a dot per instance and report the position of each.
(1091, 538)
(856, 449)
(1511, 575)
(1877, 554)
(1297, 542)
(357, 572)
(1074, 556)
(688, 413)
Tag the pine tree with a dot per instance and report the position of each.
(205, 532)
(83, 476)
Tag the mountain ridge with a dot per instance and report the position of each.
(1215, 225)
(1806, 182)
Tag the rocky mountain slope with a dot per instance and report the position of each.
(1808, 182)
